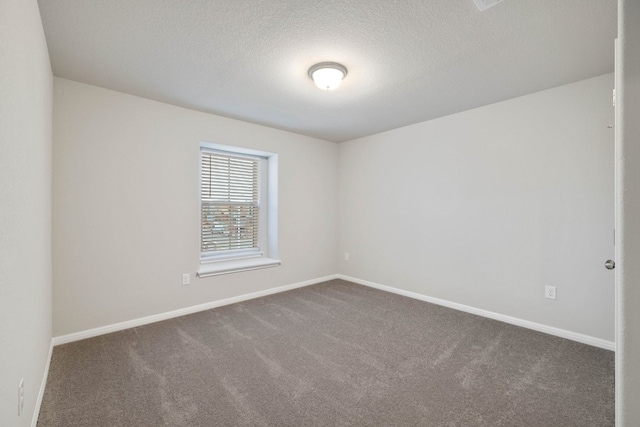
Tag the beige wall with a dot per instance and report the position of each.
(513, 196)
(126, 217)
(628, 215)
(25, 207)
(486, 207)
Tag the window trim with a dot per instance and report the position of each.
(268, 256)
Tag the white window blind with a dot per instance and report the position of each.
(230, 203)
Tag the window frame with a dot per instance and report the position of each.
(251, 259)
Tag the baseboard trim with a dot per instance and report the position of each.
(90, 333)
(574, 336)
(77, 336)
(43, 385)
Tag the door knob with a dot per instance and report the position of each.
(610, 264)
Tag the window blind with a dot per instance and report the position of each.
(230, 207)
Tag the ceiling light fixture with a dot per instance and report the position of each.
(327, 75)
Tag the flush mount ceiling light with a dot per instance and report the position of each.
(328, 75)
(485, 4)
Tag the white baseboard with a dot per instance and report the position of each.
(43, 385)
(77, 336)
(574, 336)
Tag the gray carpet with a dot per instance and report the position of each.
(332, 354)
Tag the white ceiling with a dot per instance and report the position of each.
(408, 60)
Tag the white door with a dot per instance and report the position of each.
(627, 257)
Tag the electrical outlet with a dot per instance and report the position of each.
(186, 279)
(346, 256)
(550, 292)
(20, 396)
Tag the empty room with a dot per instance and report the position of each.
(302, 213)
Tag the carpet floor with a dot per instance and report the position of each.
(331, 354)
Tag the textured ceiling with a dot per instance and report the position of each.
(408, 60)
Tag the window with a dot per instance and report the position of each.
(230, 204)
(238, 209)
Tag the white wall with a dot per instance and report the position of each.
(25, 207)
(628, 216)
(125, 209)
(486, 207)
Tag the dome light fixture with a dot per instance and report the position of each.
(327, 75)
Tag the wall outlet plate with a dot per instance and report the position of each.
(550, 292)
(186, 279)
(20, 396)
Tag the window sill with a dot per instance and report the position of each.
(235, 266)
